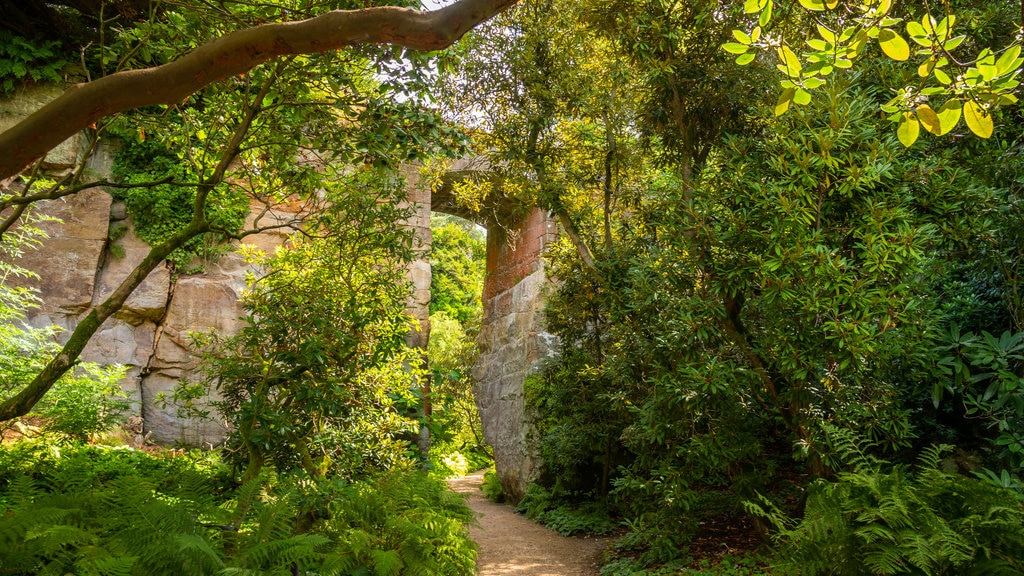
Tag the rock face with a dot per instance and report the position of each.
(92, 249)
(513, 345)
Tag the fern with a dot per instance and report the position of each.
(879, 519)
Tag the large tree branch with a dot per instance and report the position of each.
(233, 54)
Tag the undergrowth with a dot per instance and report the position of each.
(880, 519)
(89, 510)
(567, 519)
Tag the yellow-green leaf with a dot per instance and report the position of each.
(1008, 59)
(784, 99)
(755, 33)
(827, 34)
(918, 34)
(766, 14)
(942, 77)
(893, 45)
(908, 129)
(790, 62)
(949, 115)
(831, 4)
(734, 48)
(929, 119)
(926, 68)
(813, 4)
(978, 119)
(802, 97)
(744, 59)
(945, 27)
(751, 6)
(741, 37)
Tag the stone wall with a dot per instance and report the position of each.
(513, 344)
(79, 266)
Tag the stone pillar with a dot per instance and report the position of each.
(419, 275)
(513, 344)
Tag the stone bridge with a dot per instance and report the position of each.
(513, 342)
(94, 248)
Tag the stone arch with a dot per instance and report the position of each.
(513, 340)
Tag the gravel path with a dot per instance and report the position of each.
(511, 545)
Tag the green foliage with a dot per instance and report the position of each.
(985, 371)
(87, 401)
(313, 380)
(457, 444)
(491, 486)
(457, 261)
(588, 518)
(884, 519)
(92, 510)
(84, 402)
(400, 524)
(22, 59)
(158, 211)
(730, 565)
(971, 82)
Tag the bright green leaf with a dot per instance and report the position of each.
(918, 34)
(978, 119)
(828, 35)
(784, 99)
(953, 42)
(908, 130)
(790, 62)
(817, 44)
(802, 97)
(926, 68)
(893, 45)
(942, 77)
(734, 48)
(744, 59)
(751, 6)
(929, 119)
(741, 37)
(945, 27)
(813, 4)
(766, 14)
(1008, 61)
(949, 115)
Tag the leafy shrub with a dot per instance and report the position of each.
(492, 487)
(566, 519)
(86, 403)
(21, 58)
(882, 519)
(986, 372)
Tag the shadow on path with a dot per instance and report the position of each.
(511, 545)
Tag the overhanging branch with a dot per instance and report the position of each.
(230, 55)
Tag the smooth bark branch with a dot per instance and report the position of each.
(83, 104)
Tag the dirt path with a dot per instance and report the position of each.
(511, 545)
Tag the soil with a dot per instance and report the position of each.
(512, 545)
